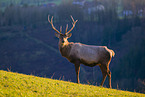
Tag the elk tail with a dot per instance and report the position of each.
(112, 53)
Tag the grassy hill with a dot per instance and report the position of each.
(15, 84)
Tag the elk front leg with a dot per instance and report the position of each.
(77, 68)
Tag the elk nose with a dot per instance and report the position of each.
(63, 41)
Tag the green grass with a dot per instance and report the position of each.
(17, 85)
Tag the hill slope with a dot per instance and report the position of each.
(14, 84)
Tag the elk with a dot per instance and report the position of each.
(78, 53)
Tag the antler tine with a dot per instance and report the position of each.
(51, 22)
(60, 29)
(66, 28)
(73, 23)
(48, 19)
(72, 18)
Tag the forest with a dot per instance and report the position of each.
(28, 44)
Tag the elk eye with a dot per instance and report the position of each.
(64, 35)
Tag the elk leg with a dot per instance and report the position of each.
(109, 76)
(104, 73)
(77, 68)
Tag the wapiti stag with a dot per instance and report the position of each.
(88, 55)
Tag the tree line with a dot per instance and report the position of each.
(31, 14)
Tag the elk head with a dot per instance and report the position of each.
(63, 37)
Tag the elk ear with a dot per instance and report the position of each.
(57, 35)
(69, 35)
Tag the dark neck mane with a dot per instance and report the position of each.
(65, 49)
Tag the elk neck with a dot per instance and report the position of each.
(65, 47)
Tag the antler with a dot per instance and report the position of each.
(73, 23)
(51, 22)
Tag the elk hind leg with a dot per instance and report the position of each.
(109, 76)
(104, 73)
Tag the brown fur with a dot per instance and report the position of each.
(71, 52)
(65, 50)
